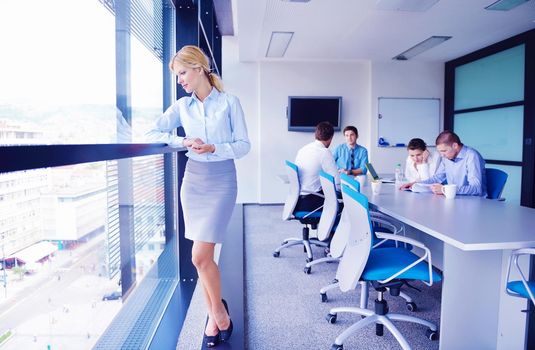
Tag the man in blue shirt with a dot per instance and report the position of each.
(461, 165)
(351, 158)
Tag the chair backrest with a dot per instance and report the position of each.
(293, 192)
(339, 241)
(330, 206)
(496, 180)
(350, 181)
(359, 240)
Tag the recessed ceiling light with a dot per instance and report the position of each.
(405, 5)
(421, 47)
(278, 44)
(505, 5)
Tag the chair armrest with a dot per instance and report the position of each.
(318, 208)
(515, 254)
(426, 256)
(395, 230)
(314, 193)
(523, 251)
(384, 235)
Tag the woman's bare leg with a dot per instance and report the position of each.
(202, 256)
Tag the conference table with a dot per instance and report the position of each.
(477, 236)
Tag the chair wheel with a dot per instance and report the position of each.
(323, 297)
(276, 254)
(307, 270)
(432, 335)
(337, 347)
(331, 318)
(412, 307)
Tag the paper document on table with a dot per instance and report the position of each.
(418, 187)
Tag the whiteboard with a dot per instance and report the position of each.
(402, 119)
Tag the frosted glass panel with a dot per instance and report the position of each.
(491, 80)
(511, 191)
(497, 134)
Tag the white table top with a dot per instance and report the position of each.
(466, 222)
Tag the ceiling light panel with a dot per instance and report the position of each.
(278, 43)
(421, 47)
(405, 5)
(505, 5)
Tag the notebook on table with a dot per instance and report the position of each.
(376, 177)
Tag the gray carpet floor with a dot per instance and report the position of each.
(283, 304)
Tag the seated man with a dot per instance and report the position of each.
(310, 159)
(351, 158)
(461, 165)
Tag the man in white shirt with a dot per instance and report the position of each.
(310, 159)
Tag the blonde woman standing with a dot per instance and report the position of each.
(216, 134)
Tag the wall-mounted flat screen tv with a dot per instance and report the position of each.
(305, 112)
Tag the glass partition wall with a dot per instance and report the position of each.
(489, 104)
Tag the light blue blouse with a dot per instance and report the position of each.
(219, 120)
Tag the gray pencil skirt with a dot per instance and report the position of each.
(208, 197)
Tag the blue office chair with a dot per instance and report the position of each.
(380, 223)
(496, 180)
(330, 214)
(522, 288)
(311, 218)
(386, 267)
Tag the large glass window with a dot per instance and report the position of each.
(64, 231)
(59, 238)
(58, 70)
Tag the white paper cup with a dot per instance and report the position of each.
(449, 191)
(376, 187)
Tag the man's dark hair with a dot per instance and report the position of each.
(324, 131)
(417, 144)
(448, 138)
(351, 128)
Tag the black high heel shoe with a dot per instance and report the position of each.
(211, 340)
(224, 334)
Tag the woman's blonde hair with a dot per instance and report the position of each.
(191, 56)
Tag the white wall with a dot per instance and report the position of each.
(401, 79)
(264, 87)
(241, 79)
(280, 80)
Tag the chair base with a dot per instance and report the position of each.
(382, 318)
(411, 305)
(306, 241)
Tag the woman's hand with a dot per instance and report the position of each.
(437, 189)
(203, 148)
(406, 186)
(192, 142)
(426, 155)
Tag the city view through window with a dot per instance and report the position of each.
(60, 265)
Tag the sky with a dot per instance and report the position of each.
(63, 52)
